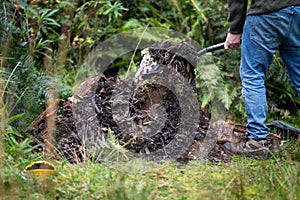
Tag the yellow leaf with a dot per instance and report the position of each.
(89, 40)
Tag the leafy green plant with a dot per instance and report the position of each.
(10, 129)
(104, 149)
(217, 86)
(18, 150)
(42, 31)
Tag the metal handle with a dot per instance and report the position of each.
(211, 48)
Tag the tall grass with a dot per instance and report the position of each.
(242, 178)
(2, 124)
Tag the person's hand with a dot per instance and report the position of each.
(232, 41)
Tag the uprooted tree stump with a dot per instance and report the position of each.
(155, 116)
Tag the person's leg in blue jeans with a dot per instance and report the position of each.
(258, 49)
(263, 35)
(290, 49)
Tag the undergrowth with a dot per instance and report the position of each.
(242, 178)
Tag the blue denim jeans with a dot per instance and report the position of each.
(264, 35)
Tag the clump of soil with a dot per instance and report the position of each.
(180, 57)
(69, 142)
(155, 102)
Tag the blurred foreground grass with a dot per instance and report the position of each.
(242, 178)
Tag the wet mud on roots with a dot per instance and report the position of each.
(151, 117)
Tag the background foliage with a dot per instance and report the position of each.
(47, 40)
